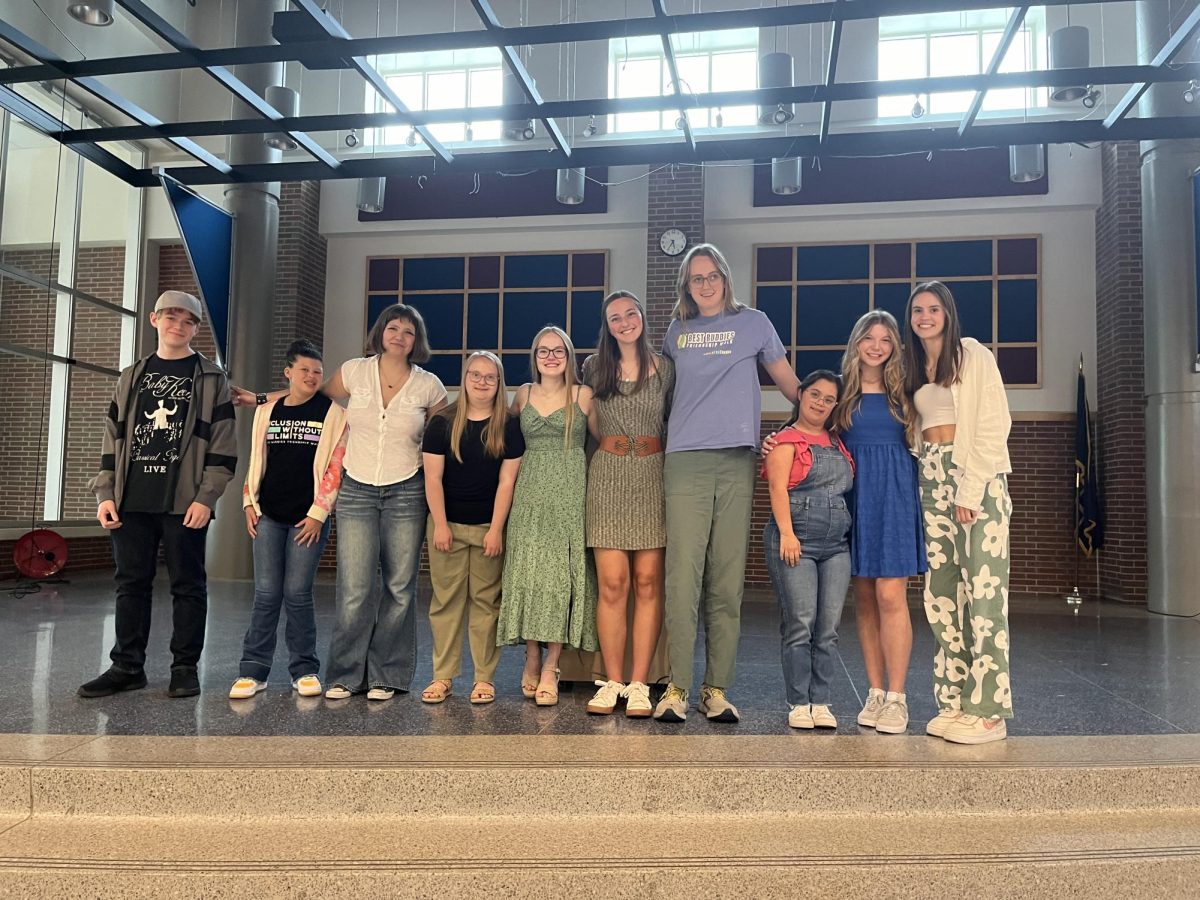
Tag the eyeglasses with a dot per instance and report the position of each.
(547, 352)
(480, 378)
(713, 278)
(821, 399)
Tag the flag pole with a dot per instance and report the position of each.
(1074, 598)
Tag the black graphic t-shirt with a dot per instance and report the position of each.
(162, 396)
(470, 486)
(286, 491)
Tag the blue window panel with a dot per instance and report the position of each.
(893, 297)
(808, 360)
(447, 367)
(585, 317)
(383, 274)
(535, 270)
(946, 259)
(1018, 365)
(973, 300)
(435, 273)
(776, 303)
(1017, 313)
(483, 321)
(526, 314)
(833, 263)
(443, 315)
(376, 305)
(516, 368)
(825, 313)
(764, 379)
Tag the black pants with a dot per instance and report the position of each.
(135, 549)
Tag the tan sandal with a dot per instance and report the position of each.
(545, 697)
(529, 684)
(439, 689)
(483, 692)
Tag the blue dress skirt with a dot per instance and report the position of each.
(886, 539)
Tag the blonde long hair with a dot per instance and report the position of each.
(899, 403)
(685, 306)
(456, 412)
(569, 376)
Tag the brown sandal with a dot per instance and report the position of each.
(529, 684)
(439, 689)
(483, 692)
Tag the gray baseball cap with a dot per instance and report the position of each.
(180, 300)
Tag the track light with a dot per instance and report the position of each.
(352, 138)
(92, 12)
(680, 123)
(1091, 97)
(775, 70)
(528, 132)
(1190, 92)
(918, 109)
(411, 140)
(589, 130)
(782, 115)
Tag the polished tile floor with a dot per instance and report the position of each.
(1109, 670)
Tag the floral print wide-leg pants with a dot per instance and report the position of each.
(966, 590)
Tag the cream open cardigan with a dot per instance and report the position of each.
(982, 423)
(327, 463)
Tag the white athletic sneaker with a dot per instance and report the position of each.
(975, 730)
(605, 700)
(938, 724)
(637, 700)
(822, 717)
(800, 716)
(871, 709)
(893, 718)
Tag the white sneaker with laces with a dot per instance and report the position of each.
(975, 730)
(893, 718)
(800, 716)
(245, 688)
(871, 709)
(822, 717)
(637, 700)
(307, 686)
(938, 724)
(605, 700)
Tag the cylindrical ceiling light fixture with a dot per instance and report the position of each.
(785, 175)
(568, 189)
(287, 102)
(512, 94)
(1026, 162)
(92, 12)
(775, 71)
(1069, 49)
(370, 194)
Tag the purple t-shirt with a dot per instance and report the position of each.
(717, 400)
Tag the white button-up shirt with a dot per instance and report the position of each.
(385, 442)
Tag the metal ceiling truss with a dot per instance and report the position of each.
(341, 51)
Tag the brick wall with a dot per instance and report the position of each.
(676, 200)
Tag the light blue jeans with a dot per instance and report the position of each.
(374, 634)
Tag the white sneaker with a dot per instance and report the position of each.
(637, 700)
(822, 717)
(975, 730)
(245, 688)
(800, 716)
(307, 686)
(893, 718)
(870, 711)
(379, 693)
(605, 699)
(338, 692)
(938, 724)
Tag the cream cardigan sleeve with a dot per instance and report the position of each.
(981, 432)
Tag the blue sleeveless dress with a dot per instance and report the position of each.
(886, 540)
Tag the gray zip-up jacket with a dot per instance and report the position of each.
(208, 446)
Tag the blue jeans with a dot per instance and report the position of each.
(374, 634)
(283, 577)
(811, 596)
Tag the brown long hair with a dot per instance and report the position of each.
(808, 381)
(456, 412)
(606, 372)
(949, 361)
(899, 404)
(685, 306)
(420, 351)
(569, 376)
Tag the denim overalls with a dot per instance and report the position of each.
(812, 593)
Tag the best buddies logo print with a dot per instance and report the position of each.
(710, 343)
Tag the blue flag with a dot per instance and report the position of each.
(1089, 520)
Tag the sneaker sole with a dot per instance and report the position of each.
(92, 695)
(726, 716)
(638, 713)
(600, 710)
(867, 721)
(973, 739)
(670, 716)
(252, 694)
(804, 726)
(827, 725)
(309, 693)
(892, 729)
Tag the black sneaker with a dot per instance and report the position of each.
(184, 683)
(112, 682)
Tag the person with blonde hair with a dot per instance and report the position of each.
(472, 451)
(549, 593)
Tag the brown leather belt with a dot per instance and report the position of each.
(626, 445)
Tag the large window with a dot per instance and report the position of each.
(814, 293)
(707, 61)
(493, 301)
(959, 43)
(443, 79)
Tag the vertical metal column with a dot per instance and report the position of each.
(1172, 385)
(252, 303)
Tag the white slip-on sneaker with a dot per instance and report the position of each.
(245, 688)
(338, 692)
(380, 693)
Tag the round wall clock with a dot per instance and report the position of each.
(672, 241)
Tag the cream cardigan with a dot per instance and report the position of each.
(327, 463)
(982, 423)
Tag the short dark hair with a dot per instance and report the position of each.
(421, 350)
(303, 348)
(808, 381)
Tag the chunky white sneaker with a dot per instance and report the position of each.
(716, 706)
(871, 709)
(380, 693)
(307, 686)
(800, 716)
(822, 717)
(637, 700)
(975, 730)
(893, 718)
(673, 705)
(605, 700)
(938, 724)
(245, 688)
